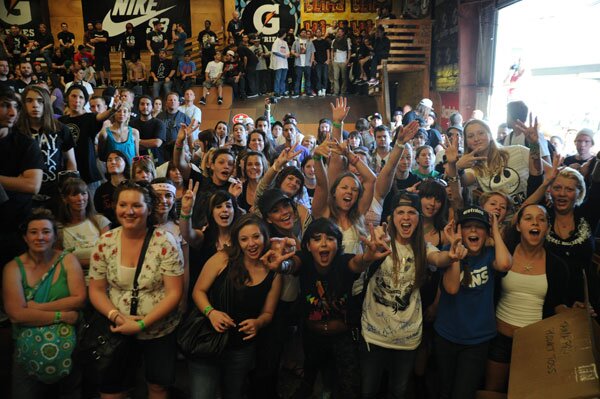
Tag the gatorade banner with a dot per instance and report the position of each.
(267, 17)
(116, 14)
(26, 14)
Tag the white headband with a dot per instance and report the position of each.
(164, 187)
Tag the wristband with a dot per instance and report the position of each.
(451, 179)
(207, 310)
(178, 147)
(184, 216)
(141, 324)
(400, 145)
(338, 125)
(317, 157)
(57, 316)
(286, 266)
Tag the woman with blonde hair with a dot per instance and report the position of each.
(120, 136)
(494, 168)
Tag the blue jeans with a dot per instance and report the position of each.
(375, 359)
(280, 76)
(322, 76)
(228, 371)
(299, 71)
(156, 86)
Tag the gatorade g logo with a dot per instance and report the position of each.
(15, 12)
(268, 17)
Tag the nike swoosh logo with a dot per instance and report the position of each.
(116, 28)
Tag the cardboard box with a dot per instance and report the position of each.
(556, 358)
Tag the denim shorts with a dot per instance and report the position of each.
(500, 349)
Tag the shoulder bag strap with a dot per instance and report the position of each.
(138, 269)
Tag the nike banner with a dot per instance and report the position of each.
(25, 14)
(116, 14)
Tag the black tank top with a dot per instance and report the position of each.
(248, 304)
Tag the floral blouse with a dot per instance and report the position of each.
(163, 258)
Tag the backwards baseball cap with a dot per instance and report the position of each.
(427, 102)
(376, 115)
(405, 198)
(474, 213)
(230, 52)
(270, 198)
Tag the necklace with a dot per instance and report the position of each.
(528, 268)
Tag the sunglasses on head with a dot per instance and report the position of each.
(140, 158)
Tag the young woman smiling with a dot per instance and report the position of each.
(535, 288)
(256, 290)
(255, 165)
(112, 271)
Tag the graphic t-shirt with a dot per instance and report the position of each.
(157, 40)
(84, 129)
(512, 179)
(52, 145)
(102, 48)
(468, 318)
(325, 293)
(391, 314)
(208, 39)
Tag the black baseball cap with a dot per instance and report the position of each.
(405, 198)
(474, 213)
(270, 198)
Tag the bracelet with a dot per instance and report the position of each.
(317, 157)
(286, 266)
(178, 147)
(207, 310)
(338, 125)
(57, 316)
(184, 216)
(141, 324)
(111, 314)
(400, 145)
(452, 179)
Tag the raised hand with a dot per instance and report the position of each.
(340, 110)
(457, 249)
(452, 149)
(407, 133)
(469, 160)
(376, 247)
(236, 187)
(287, 155)
(531, 132)
(550, 173)
(187, 201)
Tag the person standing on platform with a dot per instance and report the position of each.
(280, 52)
(234, 28)
(100, 41)
(156, 41)
(207, 40)
(340, 48)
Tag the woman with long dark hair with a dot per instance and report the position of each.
(117, 171)
(55, 140)
(256, 290)
(254, 166)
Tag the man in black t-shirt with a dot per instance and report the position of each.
(20, 176)
(66, 40)
(234, 27)
(322, 60)
(207, 39)
(17, 45)
(100, 41)
(128, 48)
(249, 61)
(43, 44)
(162, 72)
(152, 130)
(155, 41)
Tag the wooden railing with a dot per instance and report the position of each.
(410, 43)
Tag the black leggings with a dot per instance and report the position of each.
(461, 367)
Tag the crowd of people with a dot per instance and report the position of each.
(337, 61)
(387, 250)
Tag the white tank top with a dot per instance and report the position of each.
(522, 299)
(351, 241)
